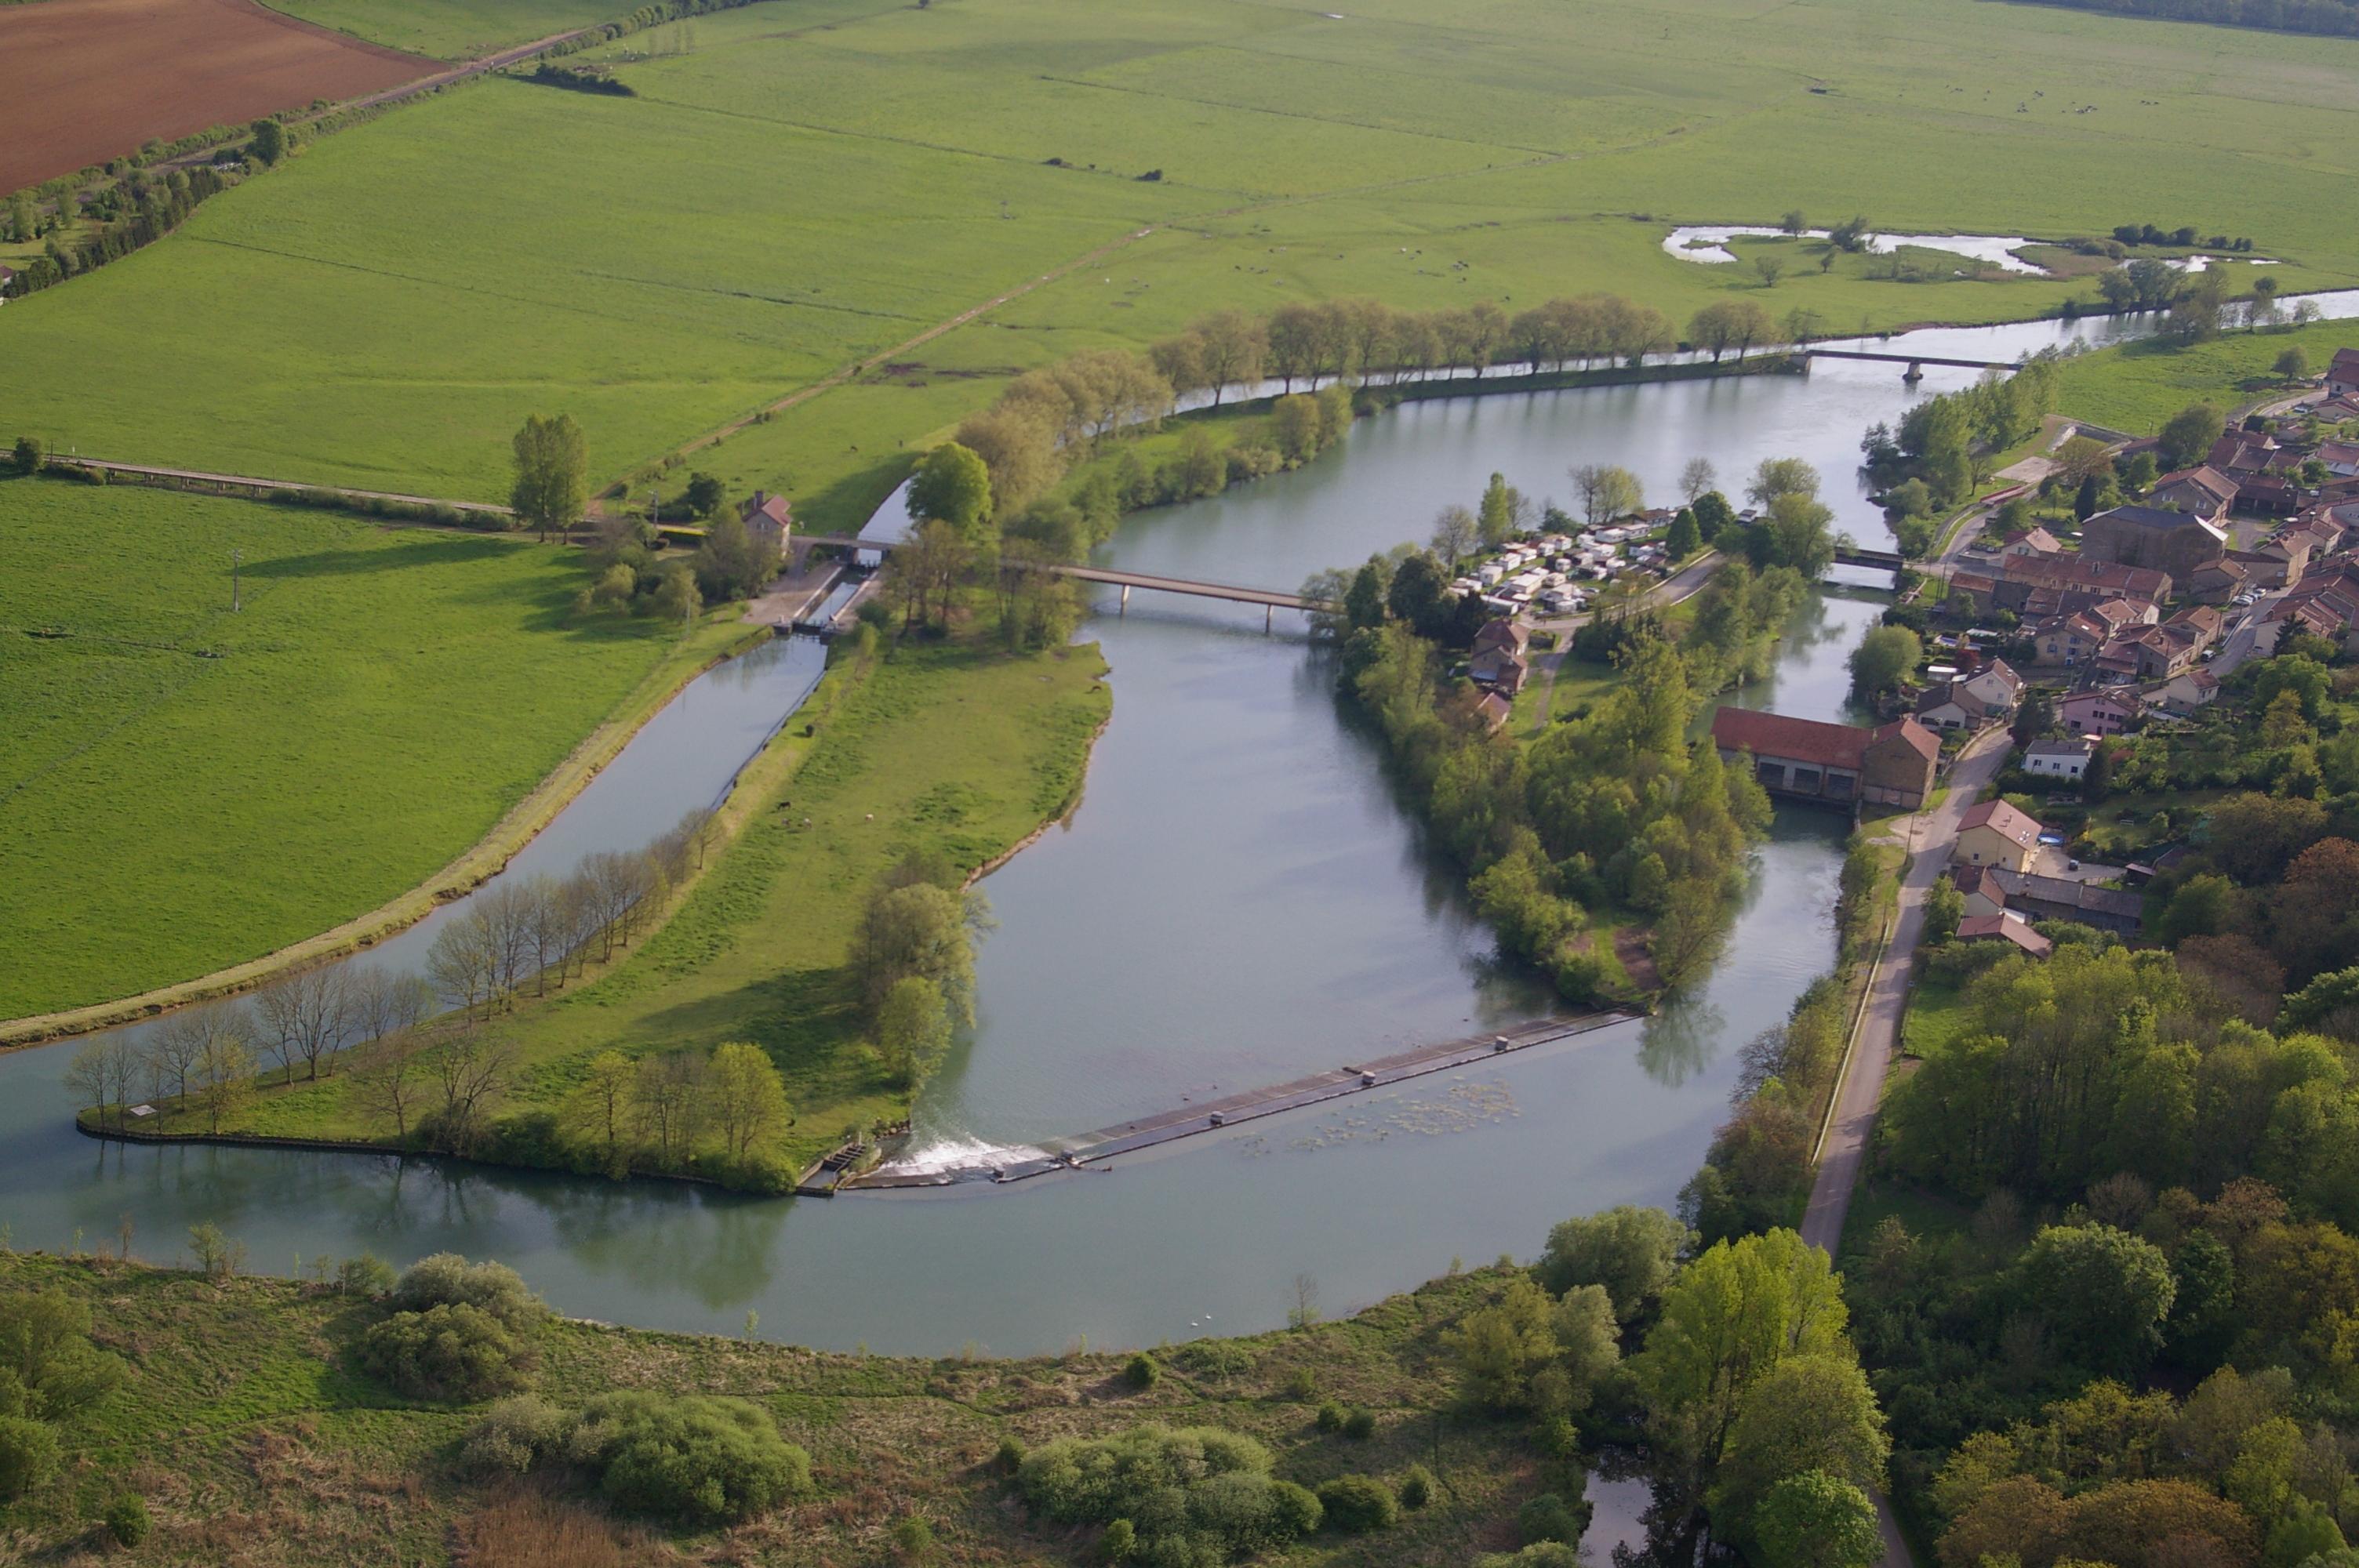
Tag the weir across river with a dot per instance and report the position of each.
(1231, 1110)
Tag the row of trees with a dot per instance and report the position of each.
(136, 209)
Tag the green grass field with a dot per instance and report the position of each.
(384, 698)
(2140, 385)
(949, 746)
(254, 1438)
(451, 29)
(803, 184)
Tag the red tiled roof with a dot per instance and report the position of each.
(1921, 740)
(1799, 739)
(2007, 926)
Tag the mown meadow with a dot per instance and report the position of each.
(2140, 385)
(801, 184)
(184, 787)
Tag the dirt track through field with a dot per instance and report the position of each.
(85, 81)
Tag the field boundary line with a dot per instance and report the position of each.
(481, 862)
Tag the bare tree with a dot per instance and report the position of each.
(1455, 536)
(102, 1072)
(460, 963)
(670, 1103)
(503, 910)
(224, 1073)
(577, 909)
(1696, 477)
(305, 1014)
(1304, 1312)
(468, 1069)
(384, 1003)
(171, 1050)
(389, 1079)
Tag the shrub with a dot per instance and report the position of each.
(1120, 1539)
(451, 1352)
(913, 1539)
(1549, 1518)
(1191, 1494)
(126, 1519)
(448, 1280)
(1357, 1504)
(366, 1275)
(1417, 1488)
(29, 1455)
(1301, 1384)
(1329, 1417)
(1011, 1454)
(698, 1458)
(1142, 1372)
(514, 1435)
(1360, 1426)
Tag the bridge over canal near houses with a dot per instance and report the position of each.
(1916, 362)
(1271, 599)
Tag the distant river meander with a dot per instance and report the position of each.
(1238, 900)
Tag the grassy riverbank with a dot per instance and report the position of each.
(187, 787)
(254, 1439)
(951, 747)
(2138, 387)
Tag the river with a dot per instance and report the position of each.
(1238, 900)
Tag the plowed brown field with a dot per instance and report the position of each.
(85, 81)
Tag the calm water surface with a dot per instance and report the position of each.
(1238, 900)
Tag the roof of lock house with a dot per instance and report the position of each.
(1921, 740)
(2075, 572)
(2003, 819)
(1802, 739)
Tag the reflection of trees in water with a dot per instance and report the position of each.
(662, 1237)
(1679, 1041)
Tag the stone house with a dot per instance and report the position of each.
(2154, 538)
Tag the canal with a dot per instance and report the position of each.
(1238, 900)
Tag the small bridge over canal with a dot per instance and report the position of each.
(1916, 362)
(1271, 599)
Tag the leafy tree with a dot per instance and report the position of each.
(1776, 477)
(1364, 602)
(1885, 656)
(952, 485)
(704, 494)
(2293, 365)
(1727, 1320)
(28, 455)
(2189, 435)
(1416, 593)
(1298, 425)
(913, 1028)
(1357, 1505)
(1816, 1520)
(1630, 1251)
(747, 1097)
(601, 1108)
(1607, 492)
(450, 1352)
(269, 144)
(1809, 1413)
(1685, 537)
(1501, 1347)
(1945, 906)
(551, 474)
(29, 1455)
(676, 596)
(2105, 1293)
(1697, 475)
(1714, 516)
(735, 562)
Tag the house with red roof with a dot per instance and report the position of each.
(1839, 764)
(1996, 834)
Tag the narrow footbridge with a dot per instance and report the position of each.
(1269, 599)
(1083, 1150)
(1914, 362)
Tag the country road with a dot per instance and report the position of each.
(1930, 836)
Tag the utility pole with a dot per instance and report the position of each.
(235, 606)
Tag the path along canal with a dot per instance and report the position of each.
(1238, 900)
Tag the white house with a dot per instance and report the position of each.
(2059, 759)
